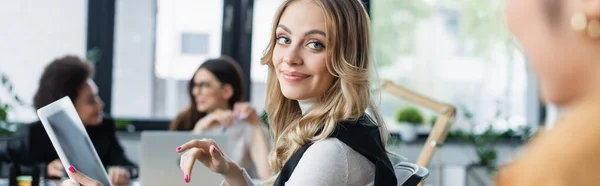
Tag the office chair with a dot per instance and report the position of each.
(410, 174)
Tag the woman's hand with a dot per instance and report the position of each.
(245, 112)
(78, 177)
(119, 175)
(217, 117)
(207, 152)
(55, 169)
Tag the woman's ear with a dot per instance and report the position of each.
(227, 91)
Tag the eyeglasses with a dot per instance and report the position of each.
(205, 85)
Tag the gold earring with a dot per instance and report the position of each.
(593, 29)
(578, 21)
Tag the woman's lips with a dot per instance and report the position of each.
(291, 76)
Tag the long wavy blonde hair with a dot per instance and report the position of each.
(348, 60)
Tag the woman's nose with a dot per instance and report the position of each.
(100, 103)
(293, 57)
(196, 90)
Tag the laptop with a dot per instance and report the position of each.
(159, 162)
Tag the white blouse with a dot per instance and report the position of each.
(328, 162)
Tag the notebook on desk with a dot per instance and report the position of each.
(159, 163)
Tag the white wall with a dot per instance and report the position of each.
(33, 33)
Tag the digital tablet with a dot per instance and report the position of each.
(70, 139)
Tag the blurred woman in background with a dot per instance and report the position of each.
(562, 41)
(70, 76)
(216, 92)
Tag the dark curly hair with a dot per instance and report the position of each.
(62, 77)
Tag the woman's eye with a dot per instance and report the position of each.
(315, 45)
(283, 40)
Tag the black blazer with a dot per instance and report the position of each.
(30, 145)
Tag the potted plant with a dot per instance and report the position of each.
(481, 171)
(7, 127)
(409, 118)
(124, 125)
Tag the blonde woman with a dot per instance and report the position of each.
(318, 91)
(562, 39)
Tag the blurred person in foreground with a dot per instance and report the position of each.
(562, 40)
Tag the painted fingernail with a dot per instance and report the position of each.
(72, 169)
(214, 149)
(186, 178)
(179, 148)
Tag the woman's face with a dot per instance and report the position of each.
(300, 56)
(209, 93)
(563, 59)
(88, 105)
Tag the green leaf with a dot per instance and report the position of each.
(18, 99)
(4, 79)
(411, 115)
(3, 114)
(498, 113)
(94, 54)
(121, 124)
(265, 119)
(432, 120)
(466, 113)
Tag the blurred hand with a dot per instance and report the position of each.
(205, 151)
(77, 177)
(118, 175)
(217, 117)
(245, 112)
(55, 169)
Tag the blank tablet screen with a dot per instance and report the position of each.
(79, 152)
